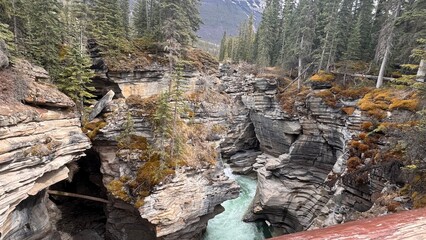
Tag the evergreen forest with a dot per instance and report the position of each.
(54, 34)
(353, 35)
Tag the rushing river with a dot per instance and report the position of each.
(229, 225)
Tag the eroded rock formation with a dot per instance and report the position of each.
(179, 207)
(39, 135)
(299, 158)
(301, 167)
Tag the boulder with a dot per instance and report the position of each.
(101, 104)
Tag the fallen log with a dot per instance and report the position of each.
(74, 195)
(364, 76)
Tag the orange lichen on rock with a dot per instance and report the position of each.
(353, 163)
(378, 101)
(351, 93)
(367, 126)
(362, 136)
(328, 97)
(322, 76)
(348, 110)
(409, 104)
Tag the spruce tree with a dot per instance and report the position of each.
(44, 31)
(178, 106)
(107, 25)
(353, 51)
(410, 27)
(125, 15)
(75, 75)
(326, 41)
(287, 36)
(222, 50)
(180, 21)
(365, 22)
(12, 13)
(268, 44)
(305, 34)
(163, 118)
(345, 25)
(246, 41)
(6, 35)
(140, 19)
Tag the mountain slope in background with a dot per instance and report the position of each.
(226, 15)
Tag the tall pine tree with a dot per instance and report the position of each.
(44, 32)
(267, 44)
(107, 25)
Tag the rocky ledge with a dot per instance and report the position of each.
(39, 135)
(179, 206)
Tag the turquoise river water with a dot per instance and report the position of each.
(229, 225)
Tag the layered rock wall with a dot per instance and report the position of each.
(302, 156)
(39, 135)
(179, 207)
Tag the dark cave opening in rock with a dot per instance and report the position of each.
(75, 217)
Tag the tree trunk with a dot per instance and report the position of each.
(299, 74)
(379, 82)
(323, 52)
(327, 68)
(15, 26)
(363, 76)
(74, 195)
(421, 73)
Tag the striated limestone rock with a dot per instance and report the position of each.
(275, 135)
(31, 219)
(240, 135)
(292, 191)
(177, 209)
(180, 209)
(242, 162)
(36, 143)
(302, 155)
